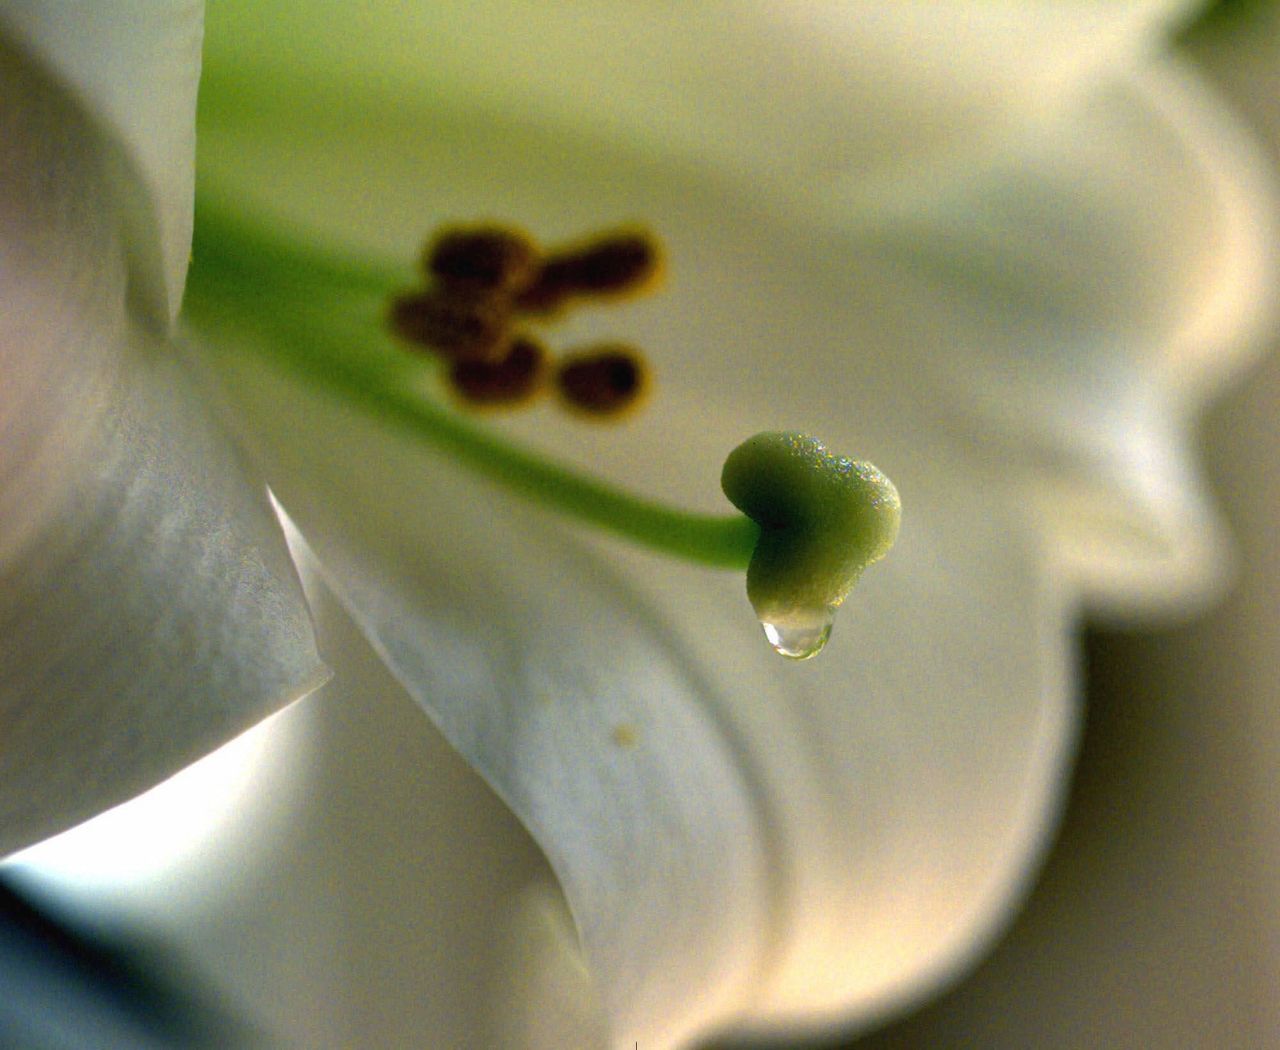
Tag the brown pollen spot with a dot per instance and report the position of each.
(483, 259)
(626, 735)
(516, 378)
(604, 380)
(458, 327)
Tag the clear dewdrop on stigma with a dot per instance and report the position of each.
(823, 519)
(802, 634)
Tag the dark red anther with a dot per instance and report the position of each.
(456, 326)
(618, 263)
(515, 379)
(483, 259)
(603, 380)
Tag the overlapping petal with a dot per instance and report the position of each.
(734, 833)
(132, 69)
(1087, 301)
(149, 610)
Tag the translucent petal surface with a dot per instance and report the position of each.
(735, 834)
(360, 839)
(148, 609)
(858, 102)
(134, 68)
(1076, 309)
(763, 831)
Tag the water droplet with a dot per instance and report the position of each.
(802, 634)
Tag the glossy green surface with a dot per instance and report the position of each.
(823, 519)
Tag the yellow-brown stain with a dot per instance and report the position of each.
(626, 735)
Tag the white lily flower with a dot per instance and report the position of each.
(999, 249)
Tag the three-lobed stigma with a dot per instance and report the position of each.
(823, 519)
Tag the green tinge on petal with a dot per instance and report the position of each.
(865, 101)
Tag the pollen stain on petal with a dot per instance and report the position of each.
(626, 735)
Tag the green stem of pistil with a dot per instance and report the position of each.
(318, 313)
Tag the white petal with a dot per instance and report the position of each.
(1072, 311)
(412, 848)
(148, 608)
(737, 836)
(360, 896)
(133, 66)
(859, 100)
(547, 996)
(1065, 314)
(734, 836)
(538, 683)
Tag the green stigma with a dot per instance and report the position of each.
(823, 519)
